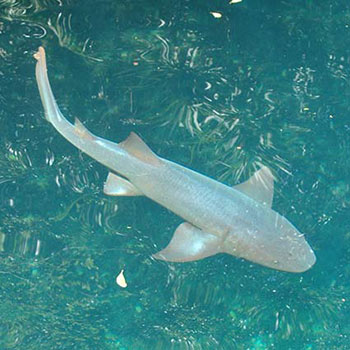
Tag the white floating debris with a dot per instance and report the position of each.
(121, 280)
(216, 14)
(234, 2)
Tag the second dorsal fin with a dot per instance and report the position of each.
(82, 131)
(137, 147)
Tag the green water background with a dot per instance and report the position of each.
(266, 83)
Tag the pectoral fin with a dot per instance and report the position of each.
(118, 186)
(259, 186)
(189, 243)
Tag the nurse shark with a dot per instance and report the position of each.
(218, 218)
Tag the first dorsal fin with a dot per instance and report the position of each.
(137, 147)
(259, 186)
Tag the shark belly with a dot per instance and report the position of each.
(207, 204)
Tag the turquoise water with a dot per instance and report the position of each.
(265, 83)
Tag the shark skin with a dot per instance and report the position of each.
(218, 218)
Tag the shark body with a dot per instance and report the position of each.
(218, 218)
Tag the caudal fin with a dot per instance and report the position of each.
(48, 100)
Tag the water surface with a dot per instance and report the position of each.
(222, 88)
